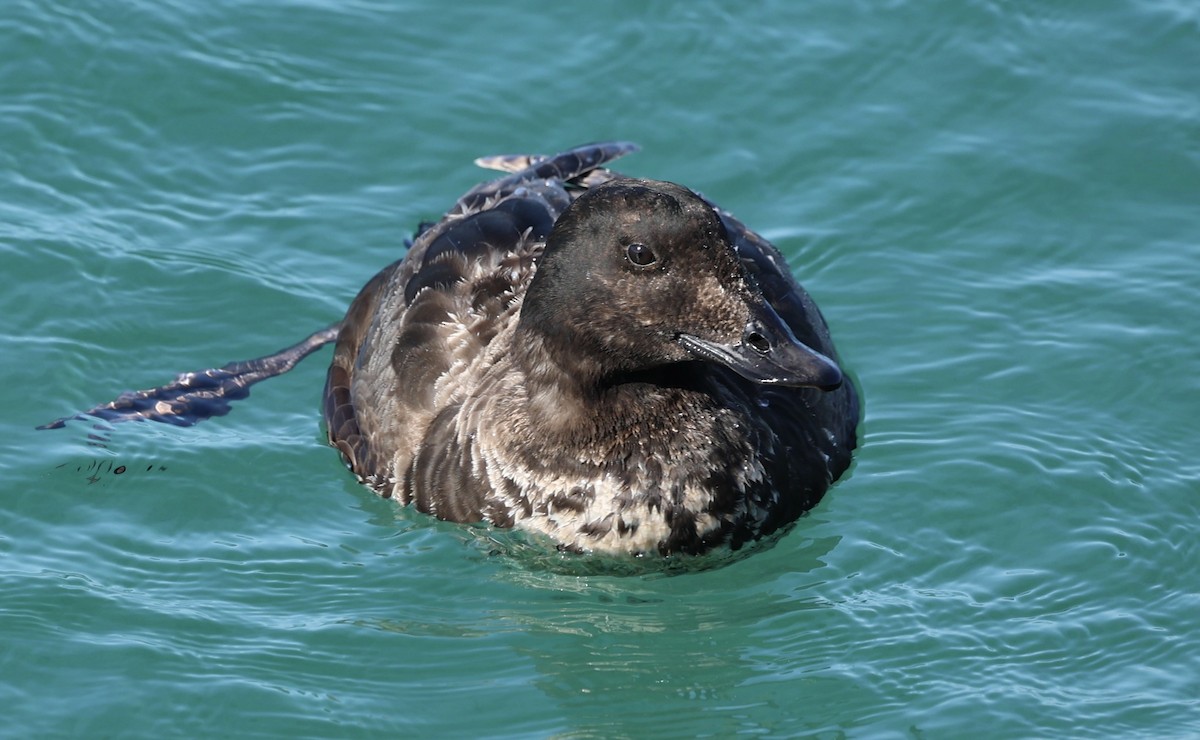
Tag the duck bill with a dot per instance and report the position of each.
(769, 354)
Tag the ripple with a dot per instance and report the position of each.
(993, 205)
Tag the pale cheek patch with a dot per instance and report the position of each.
(719, 309)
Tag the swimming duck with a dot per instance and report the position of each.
(612, 362)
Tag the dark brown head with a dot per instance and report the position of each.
(641, 273)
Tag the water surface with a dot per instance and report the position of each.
(995, 205)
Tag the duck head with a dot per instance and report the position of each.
(638, 274)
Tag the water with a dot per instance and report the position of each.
(995, 204)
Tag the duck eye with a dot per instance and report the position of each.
(641, 255)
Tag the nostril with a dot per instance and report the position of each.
(758, 342)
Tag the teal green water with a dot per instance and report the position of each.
(996, 204)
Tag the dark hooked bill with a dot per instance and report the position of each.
(769, 353)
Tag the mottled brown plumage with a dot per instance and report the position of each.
(518, 366)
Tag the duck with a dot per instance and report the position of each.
(613, 365)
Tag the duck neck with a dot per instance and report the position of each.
(563, 389)
(579, 404)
